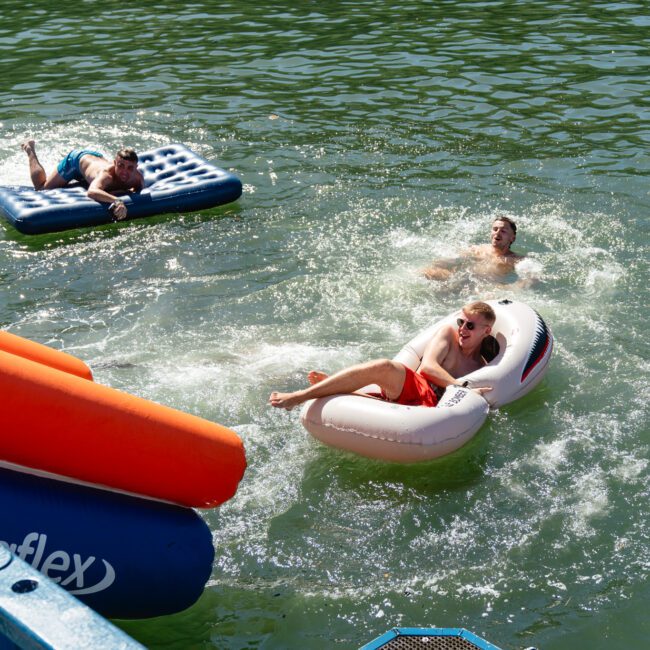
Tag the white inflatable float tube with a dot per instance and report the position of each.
(408, 434)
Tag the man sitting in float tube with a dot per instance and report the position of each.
(91, 168)
(451, 352)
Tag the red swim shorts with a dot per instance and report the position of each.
(415, 392)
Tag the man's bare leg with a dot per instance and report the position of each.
(384, 372)
(40, 180)
(36, 170)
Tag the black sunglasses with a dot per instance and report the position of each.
(462, 321)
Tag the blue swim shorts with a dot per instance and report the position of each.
(69, 166)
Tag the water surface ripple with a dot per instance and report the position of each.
(370, 138)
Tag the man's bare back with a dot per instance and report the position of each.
(120, 175)
(92, 166)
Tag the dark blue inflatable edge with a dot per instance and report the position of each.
(126, 557)
(138, 206)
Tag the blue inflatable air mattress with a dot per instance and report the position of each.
(177, 180)
(123, 556)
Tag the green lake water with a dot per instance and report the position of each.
(371, 138)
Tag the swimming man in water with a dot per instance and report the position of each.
(452, 352)
(491, 260)
(91, 168)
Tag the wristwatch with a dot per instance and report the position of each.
(113, 206)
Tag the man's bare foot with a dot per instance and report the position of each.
(285, 400)
(316, 376)
(29, 147)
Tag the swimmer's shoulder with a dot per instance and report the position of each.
(479, 251)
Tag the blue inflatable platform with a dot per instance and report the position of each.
(123, 556)
(435, 638)
(177, 180)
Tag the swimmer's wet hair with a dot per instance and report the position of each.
(127, 154)
(481, 309)
(513, 225)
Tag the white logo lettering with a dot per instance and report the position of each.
(32, 550)
(106, 582)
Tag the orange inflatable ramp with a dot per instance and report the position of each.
(42, 354)
(57, 422)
